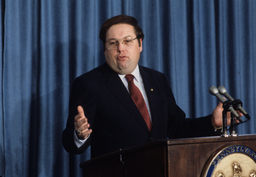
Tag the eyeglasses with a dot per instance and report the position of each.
(126, 42)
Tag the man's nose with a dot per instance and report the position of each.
(120, 46)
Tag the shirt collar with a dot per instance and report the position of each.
(136, 73)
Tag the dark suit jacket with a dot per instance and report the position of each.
(115, 120)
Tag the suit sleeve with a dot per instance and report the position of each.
(181, 127)
(79, 96)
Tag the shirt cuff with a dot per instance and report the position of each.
(79, 142)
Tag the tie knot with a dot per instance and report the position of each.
(129, 77)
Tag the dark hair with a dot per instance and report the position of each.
(117, 20)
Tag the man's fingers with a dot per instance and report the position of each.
(80, 121)
(78, 117)
(81, 124)
(84, 133)
(240, 114)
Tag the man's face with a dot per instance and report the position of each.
(123, 59)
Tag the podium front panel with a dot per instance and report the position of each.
(163, 158)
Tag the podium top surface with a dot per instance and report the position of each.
(211, 139)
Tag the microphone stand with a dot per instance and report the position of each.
(224, 119)
(232, 127)
(226, 106)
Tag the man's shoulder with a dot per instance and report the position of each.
(150, 71)
(94, 73)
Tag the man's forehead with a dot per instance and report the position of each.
(120, 31)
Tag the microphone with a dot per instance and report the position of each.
(224, 92)
(214, 91)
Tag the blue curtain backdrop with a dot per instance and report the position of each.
(45, 44)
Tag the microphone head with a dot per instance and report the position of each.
(213, 90)
(222, 90)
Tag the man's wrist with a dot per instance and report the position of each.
(78, 142)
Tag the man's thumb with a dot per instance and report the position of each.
(80, 110)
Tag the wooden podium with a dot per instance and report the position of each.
(163, 158)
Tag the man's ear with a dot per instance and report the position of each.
(140, 45)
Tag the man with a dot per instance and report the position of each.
(102, 112)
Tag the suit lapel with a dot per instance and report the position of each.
(114, 83)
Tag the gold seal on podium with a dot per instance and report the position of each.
(231, 161)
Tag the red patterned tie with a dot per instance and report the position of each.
(138, 100)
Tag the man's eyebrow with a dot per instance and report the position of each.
(117, 39)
